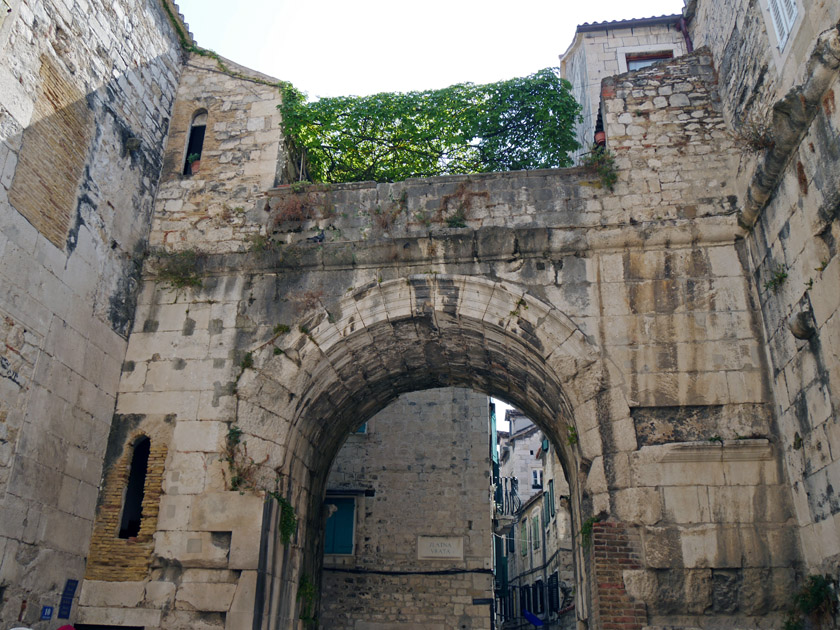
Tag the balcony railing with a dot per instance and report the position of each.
(507, 496)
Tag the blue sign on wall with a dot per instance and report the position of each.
(47, 612)
(67, 599)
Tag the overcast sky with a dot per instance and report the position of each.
(341, 47)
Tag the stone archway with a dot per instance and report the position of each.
(420, 332)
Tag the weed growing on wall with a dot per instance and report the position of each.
(602, 162)
(815, 604)
(586, 531)
(242, 468)
(306, 597)
(179, 270)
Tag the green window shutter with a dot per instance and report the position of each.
(551, 497)
(546, 514)
(339, 529)
(524, 533)
(535, 531)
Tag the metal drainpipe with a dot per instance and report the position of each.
(545, 571)
(682, 27)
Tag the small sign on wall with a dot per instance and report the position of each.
(67, 599)
(440, 547)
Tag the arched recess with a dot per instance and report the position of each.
(343, 365)
(195, 141)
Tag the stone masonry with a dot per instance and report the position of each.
(86, 91)
(425, 461)
(600, 50)
(552, 273)
(684, 324)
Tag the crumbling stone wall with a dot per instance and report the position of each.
(597, 52)
(86, 90)
(626, 314)
(425, 459)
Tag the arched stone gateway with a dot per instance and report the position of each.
(626, 324)
(428, 331)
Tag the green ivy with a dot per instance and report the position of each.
(816, 602)
(521, 123)
(586, 531)
(287, 522)
(306, 596)
(179, 270)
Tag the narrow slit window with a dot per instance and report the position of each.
(132, 512)
(195, 143)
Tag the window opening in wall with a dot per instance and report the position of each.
(551, 497)
(132, 512)
(546, 510)
(338, 537)
(637, 61)
(539, 597)
(362, 429)
(783, 14)
(535, 529)
(554, 592)
(195, 143)
(536, 479)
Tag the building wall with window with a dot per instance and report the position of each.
(408, 520)
(518, 455)
(761, 48)
(538, 549)
(603, 49)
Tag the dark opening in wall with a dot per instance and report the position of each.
(133, 504)
(195, 142)
(637, 61)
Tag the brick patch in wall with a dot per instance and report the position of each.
(53, 155)
(114, 559)
(612, 553)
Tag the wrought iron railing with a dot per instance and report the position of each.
(507, 496)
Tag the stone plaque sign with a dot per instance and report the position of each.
(440, 547)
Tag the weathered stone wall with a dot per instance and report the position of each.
(426, 458)
(209, 538)
(86, 90)
(790, 196)
(793, 252)
(754, 71)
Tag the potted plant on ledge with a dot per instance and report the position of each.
(194, 160)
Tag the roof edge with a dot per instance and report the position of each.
(649, 21)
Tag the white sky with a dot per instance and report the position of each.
(343, 47)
